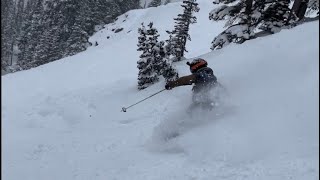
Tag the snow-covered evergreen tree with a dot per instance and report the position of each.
(148, 74)
(154, 61)
(240, 21)
(180, 34)
(171, 47)
(313, 6)
(78, 38)
(19, 15)
(163, 63)
(275, 16)
(32, 29)
(7, 33)
(99, 13)
(245, 16)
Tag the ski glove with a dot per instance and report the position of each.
(169, 85)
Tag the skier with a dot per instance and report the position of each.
(204, 81)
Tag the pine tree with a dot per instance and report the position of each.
(19, 15)
(164, 64)
(78, 40)
(8, 33)
(275, 16)
(169, 47)
(49, 48)
(147, 74)
(78, 37)
(31, 30)
(100, 12)
(24, 39)
(42, 48)
(115, 10)
(154, 61)
(313, 6)
(244, 17)
(239, 20)
(36, 31)
(179, 35)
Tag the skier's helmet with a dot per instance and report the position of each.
(197, 64)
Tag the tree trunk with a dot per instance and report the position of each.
(248, 11)
(302, 9)
(299, 8)
(248, 6)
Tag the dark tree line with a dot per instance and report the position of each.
(41, 31)
(8, 32)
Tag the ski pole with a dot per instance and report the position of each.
(124, 109)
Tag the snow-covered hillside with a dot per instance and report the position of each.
(62, 120)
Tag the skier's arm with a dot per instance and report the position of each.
(185, 80)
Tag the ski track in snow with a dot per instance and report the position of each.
(63, 121)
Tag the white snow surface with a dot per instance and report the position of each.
(62, 120)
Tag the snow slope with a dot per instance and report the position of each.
(63, 121)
